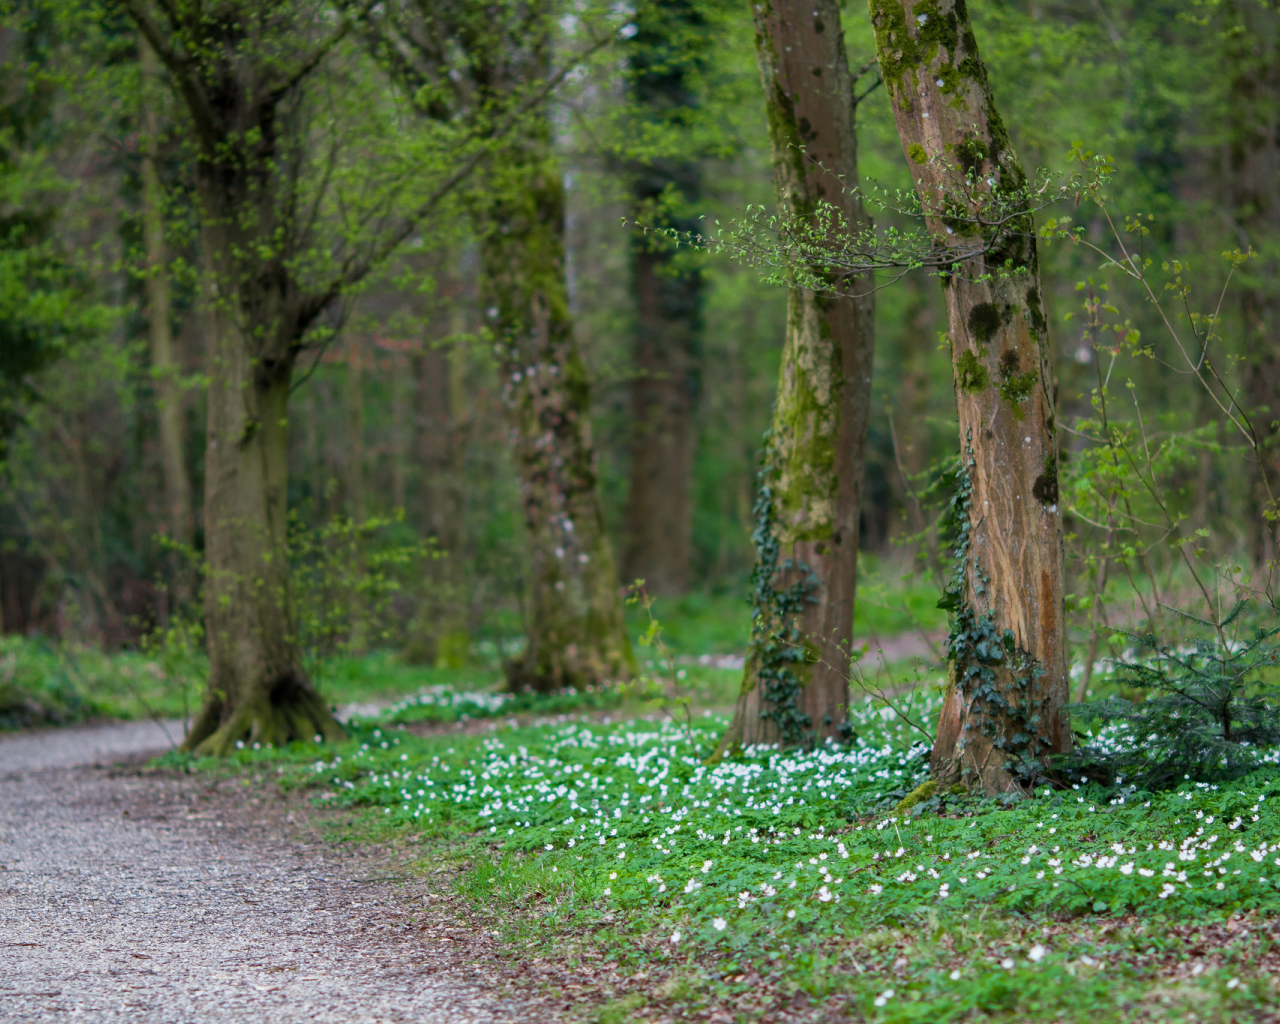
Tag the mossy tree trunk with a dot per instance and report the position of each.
(178, 520)
(575, 631)
(1004, 709)
(483, 65)
(1254, 199)
(258, 691)
(242, 72)
(664, 57)
(795, 686)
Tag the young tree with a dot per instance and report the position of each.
(488, 67)
(796, 683)
(665, 58)
(1004, 707)
(247, 75)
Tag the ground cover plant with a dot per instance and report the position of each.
(839, 877)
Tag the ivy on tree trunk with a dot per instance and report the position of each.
(795, 686)
(1004, 709)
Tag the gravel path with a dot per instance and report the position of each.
(160, 897)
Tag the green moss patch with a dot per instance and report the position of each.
(971, 375)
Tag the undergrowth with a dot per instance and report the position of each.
(791, 871)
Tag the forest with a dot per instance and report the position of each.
(771, 509)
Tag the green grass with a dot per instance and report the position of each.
(43, 683)
(383, 676)
(778, 872)
(887, 605)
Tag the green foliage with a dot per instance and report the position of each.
(1206, 707)
(777, 654)
(45, 300)
(42, 683)
(345, 579)
(665, 691)
(793, 862)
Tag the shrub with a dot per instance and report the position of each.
(1204, 708)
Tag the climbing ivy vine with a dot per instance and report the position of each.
(978, 650)
(778, 646)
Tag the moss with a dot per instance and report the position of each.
(971, 375)
(804, 430)
(1035, 314)
(984, 321)
(949, 74)
(919, 795)
(1015, 387)
(970, 154)
(1046, 486)
(899, 53)
(917, 153)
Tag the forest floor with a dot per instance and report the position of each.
(139, 895)
(311, 884)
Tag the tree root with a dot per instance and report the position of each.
(277, 717)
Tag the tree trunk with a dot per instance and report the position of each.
(1004, 709)
(439, 636)
(353, 402)
(1254, 56)
(664, 55)
(258, 692)
(400, 387)
(911, 410)
(795, 687)
(164, 365)
(575, 631)
(659, 516)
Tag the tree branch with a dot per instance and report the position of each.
(309, 63)
(355, 272)
(179, 65)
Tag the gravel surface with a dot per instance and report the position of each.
(159, 897)
(85, 745)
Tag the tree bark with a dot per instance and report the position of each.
(1254, 200)
(246, 121)
(911, 409)
(575, 631)
(179, 520)
(659, 515)
(353, 402)
(258, 692)
(795, 689)
(664, 56)
(440, 636)
(1004, 708)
